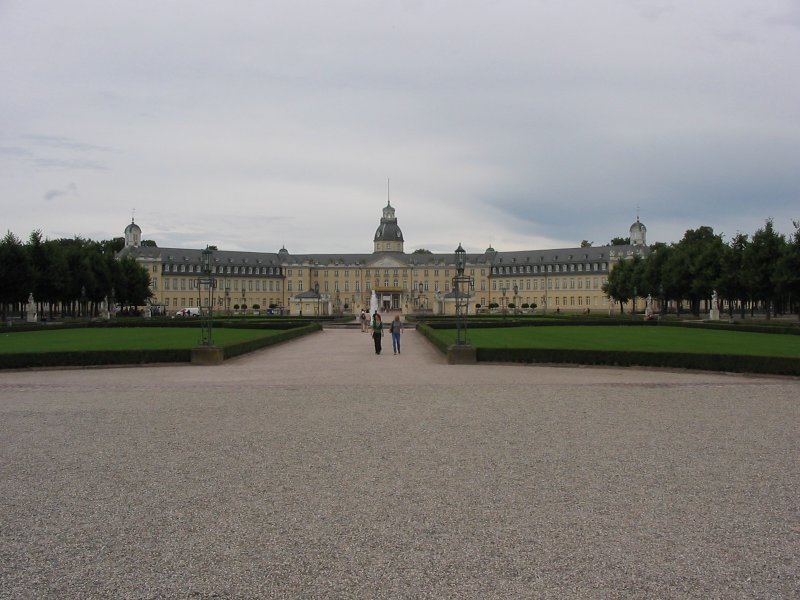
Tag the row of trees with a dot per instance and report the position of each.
(762, 271)
(67, 277)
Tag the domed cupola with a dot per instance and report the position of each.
(133, 235)
(388, 237)
(638, 233)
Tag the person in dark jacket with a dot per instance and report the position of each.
(377, 331)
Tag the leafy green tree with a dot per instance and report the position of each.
(759, 264)
(16, 274)
(730, 283)
(621, 282)
(135, 283)
(651, 278)
(620, 241)
(422, 251)
(787, 271)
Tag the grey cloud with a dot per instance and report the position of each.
(64, 142)
(70, 190)
(78, 164)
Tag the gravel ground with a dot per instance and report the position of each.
(319, 470)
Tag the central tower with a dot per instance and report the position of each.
(388, 237)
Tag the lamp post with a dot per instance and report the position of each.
(516, 290)
(207, 324)
(461, 287)
(316, 291)
(503, 289)
(461, 352)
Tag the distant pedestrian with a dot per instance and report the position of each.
(377, 331)
(396, 328)
(363, 321)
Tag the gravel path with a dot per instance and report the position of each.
(319, 470)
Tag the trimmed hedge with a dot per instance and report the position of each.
(257, 344)
(492, 324)
(735, 363)
(89, 358)
(732, 363)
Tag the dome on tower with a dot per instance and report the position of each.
(388, 232)
(388, 236)
(133, 234)
(638, 233)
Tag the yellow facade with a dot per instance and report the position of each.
(558, 280)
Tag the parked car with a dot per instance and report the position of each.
(188, 312)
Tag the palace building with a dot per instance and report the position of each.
(564, 279)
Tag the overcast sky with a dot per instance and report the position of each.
(521, 124)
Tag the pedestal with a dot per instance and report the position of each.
(714, 314)
(463, 354)
(207, 355)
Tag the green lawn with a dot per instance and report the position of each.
(641, 339)
(121, 338)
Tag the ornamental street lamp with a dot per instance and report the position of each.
(207, 322)
(516, 290)
(462, 284)
(316, 291)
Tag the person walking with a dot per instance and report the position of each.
(363, 321)
(396, 328)
(377, 331)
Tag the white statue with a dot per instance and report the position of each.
(373, 304)
(104, 309)
(31, 309)
(714, 313)
(648, 306)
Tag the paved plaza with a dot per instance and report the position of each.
(316, 469)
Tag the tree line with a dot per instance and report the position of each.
(749, 273)
(67, 277)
